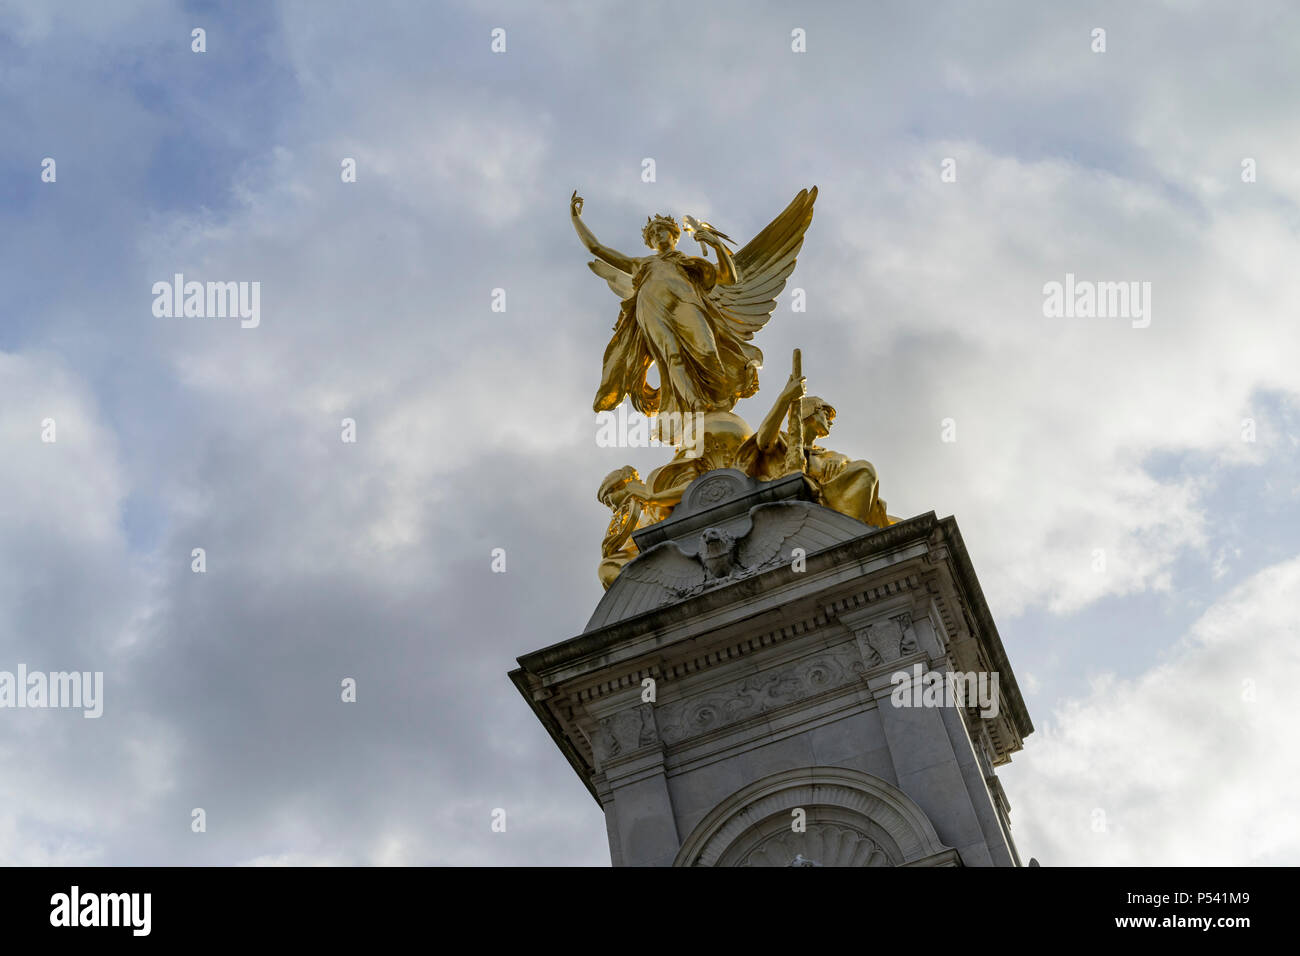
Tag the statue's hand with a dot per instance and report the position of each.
(832, 465)
(575, 205)
(796, 386)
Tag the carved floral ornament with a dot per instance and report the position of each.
(877, 642)
(888, 640)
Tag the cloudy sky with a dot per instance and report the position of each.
(1130, 496)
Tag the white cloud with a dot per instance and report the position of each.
(1186, 767)
(929, 306)
(72, 597)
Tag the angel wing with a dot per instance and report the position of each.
(764, 264)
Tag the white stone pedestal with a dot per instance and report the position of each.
(774, 737)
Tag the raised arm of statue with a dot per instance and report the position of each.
(689, 319)
(796, 387)
(728, 274)
(615, 258)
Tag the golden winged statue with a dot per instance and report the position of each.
(690, 317)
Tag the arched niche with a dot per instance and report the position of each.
(850, 818)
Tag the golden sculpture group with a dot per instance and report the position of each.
(694, 319)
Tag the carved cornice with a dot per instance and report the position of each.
(563, 683)
(667, 669)
(976, 620)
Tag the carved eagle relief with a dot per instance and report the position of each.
(721, 557)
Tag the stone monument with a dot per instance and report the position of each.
(780, 673)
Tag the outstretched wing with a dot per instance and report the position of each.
(764, 265)
(666, 567)
(619, 281)
(774, 524)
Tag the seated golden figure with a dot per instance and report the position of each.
(849, 486)
(635, 506)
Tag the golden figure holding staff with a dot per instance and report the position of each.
(692, 318)
(849, 486)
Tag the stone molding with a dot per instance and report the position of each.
(666, 671)
(760, 693)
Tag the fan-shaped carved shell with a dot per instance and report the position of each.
(830, 844)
